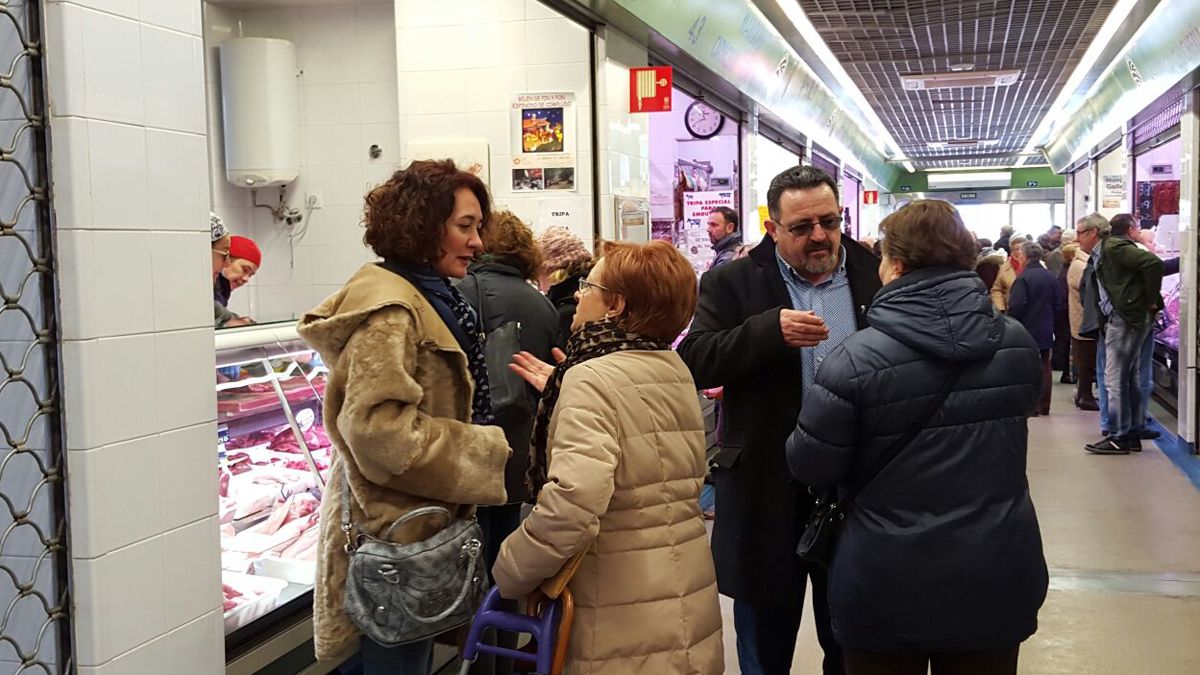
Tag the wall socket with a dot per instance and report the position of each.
(313, 200)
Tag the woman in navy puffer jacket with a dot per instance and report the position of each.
(939, 559)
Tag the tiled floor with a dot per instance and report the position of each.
(1122, 539)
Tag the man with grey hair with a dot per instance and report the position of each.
(1130, 284)
(1034, 302)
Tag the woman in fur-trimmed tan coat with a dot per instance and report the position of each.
(621, 428)
(400, 398)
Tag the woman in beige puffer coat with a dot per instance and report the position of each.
(620, 424)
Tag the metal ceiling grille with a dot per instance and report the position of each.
(877, 41)
(1160, 122)
(34, 602)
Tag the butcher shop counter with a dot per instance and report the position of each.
(273, 458)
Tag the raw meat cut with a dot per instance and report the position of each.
(304, 548)
(315, 438)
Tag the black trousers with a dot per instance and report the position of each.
(999, 662)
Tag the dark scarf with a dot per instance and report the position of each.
(592, 340)
(458, 316)
(222, 289)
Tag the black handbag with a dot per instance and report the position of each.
(511, 398)
(820, 532)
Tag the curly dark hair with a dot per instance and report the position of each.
(510, 241)
(406, 216)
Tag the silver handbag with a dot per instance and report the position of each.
(402, 593)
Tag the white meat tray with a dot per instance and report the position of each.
(296, 571)
(265, 598)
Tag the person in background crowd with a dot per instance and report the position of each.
(1007, 276)
(1090, 231)
(989, 262)
(945, 566)
(618, 460)
(501, 277)
(244, 262)
(1034, 302)
(1056, 262)
(1130, 284)
(1083, 348)
(725, 234)
(407, 405)
(1062, 319)
(1004, 242)
(221, 242)
(565, 261)
(763, 326)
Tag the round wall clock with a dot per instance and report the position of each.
(702, 121)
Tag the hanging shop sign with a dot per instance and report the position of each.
(870, 197)
(543, 142)
(1165, 50)
(1031, 183)
(967, 195)
(650, 89)
(735, 41)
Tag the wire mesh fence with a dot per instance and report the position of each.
(34, 600)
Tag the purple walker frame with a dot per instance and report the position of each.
(543, 629)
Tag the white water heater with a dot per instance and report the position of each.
(260, 101)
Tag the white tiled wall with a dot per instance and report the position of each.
(508, 47)
(129, 159)
(348, 102)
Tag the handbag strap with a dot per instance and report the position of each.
(348, 525)
(899, 444)
(483, 331)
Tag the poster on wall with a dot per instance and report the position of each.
(633, 218)
(543, 142)
(470, 156)
(693, 235)
(1114, 190)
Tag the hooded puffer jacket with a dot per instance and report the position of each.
(941, 551)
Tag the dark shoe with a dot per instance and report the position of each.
(1088, 405)
(1108, 446)
(1066, 379)
(1034, 414)
(1148, 434)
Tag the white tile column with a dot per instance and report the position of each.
(130, 173)
(623, 140)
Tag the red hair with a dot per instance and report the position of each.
(658, 284)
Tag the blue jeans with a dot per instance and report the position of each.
(1102, 401)
(766, 636)
(708, 498)
(1145, 382)
(411, 659)
(1123, 355)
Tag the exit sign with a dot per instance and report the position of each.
(967, 195)
(1031, 183)
(906, 188)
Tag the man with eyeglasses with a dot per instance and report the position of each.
(763, 326)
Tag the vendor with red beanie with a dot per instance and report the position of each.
(244, 260)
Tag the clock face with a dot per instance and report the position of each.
(702, 121)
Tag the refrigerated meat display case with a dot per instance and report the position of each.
(272, 460)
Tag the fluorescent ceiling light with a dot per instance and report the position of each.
(963, 143)
(809, 34)
(908, 166)
(1057, 112)
(954, 80)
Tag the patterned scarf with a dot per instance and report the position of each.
(458, 316)
(592, 340)
(481, 405)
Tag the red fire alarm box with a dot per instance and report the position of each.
(650, 89)
(870, 196)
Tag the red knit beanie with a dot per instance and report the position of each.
(246, 249)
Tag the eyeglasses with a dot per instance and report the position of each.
(585, 285)
(224, 254)
(805, 228)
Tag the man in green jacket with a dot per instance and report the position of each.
(1130, 295)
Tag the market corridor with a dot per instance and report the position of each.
(1123, 545)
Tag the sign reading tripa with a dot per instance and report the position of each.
(650, 89)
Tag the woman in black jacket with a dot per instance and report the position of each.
(499, 288)
(939, 559)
